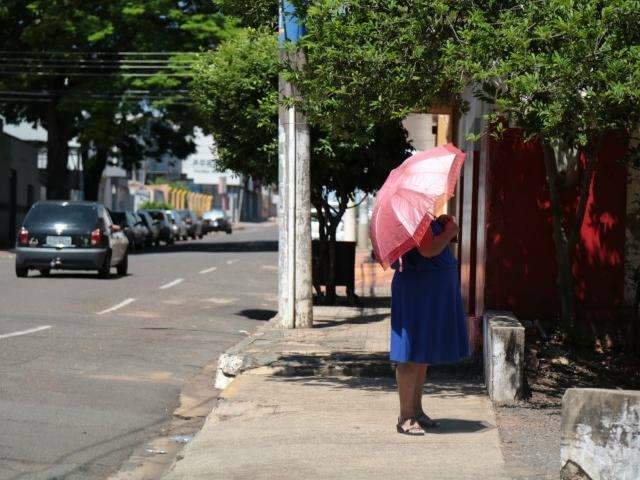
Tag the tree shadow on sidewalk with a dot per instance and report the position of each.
(374, 372)
(359, 320)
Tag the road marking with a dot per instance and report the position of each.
(222, 301)
(231, 262)
(209, 270)
(270, 267)
(172, 284)
(124, 303)
(26, 332)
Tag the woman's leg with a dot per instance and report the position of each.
(406, 378)
(424, 420)
(421, 373)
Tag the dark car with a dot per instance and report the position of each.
(163, 222)
(133, 228)
(153, 228)
(216, 221)
(70, 236)
(194, 224)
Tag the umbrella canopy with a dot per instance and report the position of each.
(410, 199)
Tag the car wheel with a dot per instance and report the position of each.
(105, 270)
(185, 238)
(200, 236)
(123, 267)
(229, 231)
(171, 241)
(21, 272)
(45, 272)
(193, 237)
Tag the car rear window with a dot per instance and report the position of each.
(72, 215)
(118, 217)
(157, 215)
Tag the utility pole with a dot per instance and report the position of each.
(295, 307)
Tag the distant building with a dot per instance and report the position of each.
(241, 199)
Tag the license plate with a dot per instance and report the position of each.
(56, 241)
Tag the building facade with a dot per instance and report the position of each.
(19, 185)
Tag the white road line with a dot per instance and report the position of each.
(26, 332)
(230, 262)
(172, 284)
(116, 307)
(209, 270)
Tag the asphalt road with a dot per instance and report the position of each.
(91, 369)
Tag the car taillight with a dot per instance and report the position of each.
(23, 237)
(96, 237)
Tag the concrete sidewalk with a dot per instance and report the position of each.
(321, 404)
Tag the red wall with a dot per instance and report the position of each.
(520, 262)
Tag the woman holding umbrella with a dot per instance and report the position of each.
(428, 323)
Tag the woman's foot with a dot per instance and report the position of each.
(425, 421)
(409, 426)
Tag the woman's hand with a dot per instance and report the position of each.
(434, 245)
(451, 228)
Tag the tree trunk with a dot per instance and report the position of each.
(92, 172)
(57, 155)
(332, 226)
(564, 278)
(565, 244)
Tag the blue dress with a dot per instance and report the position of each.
(428, 322)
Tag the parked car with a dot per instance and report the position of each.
(70, 236)
(135, 231)
(163, 221)
(181, 231)
(153, 228)
(194, 224)
(216, 221)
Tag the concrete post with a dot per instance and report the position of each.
(503, 352)
(599, 437)
(294, 209)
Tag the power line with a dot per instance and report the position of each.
(41, 73)
(90, 52)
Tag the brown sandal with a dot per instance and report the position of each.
(425, 421)
(414, 428)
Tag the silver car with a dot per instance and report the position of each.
(178, 225)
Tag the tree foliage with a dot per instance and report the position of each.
(71, 82)
(373, 60)
(236, 90)
(252, 13)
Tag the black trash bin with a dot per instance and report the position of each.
(345, 265)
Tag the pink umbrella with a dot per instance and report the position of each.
(410, 198)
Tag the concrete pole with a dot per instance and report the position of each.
(294, 209)
(294, 213)
(303, 270)
(284, 314)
